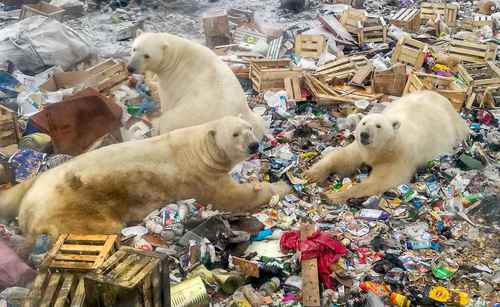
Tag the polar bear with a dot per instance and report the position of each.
(195, 85)
(407, 134)
(100, 191)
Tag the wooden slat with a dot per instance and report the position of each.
(155, 277)
(118, 270)
(78, 258)
(93, 238)
(49, 294)
(106, 250)
(71, 265)
(81, 248)
(79, 295)
(136, 268)
(63, 296)
(147, 270)
(35, 295)
(309, 273)
(147, 293)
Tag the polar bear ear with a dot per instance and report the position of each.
(139, 32)
(396, 124)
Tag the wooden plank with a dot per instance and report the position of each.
(49, 294)
(147, 293)
(64, 292)
(156, 281)
(54, 250)
(122, 266)
(106, 250)
(93, 238)
(35, 295)
(288, 88)
(71, 265)
(147, 270)
(296, 88)
(76, 258)
(137, 267)
(80, 248)
(309, 273)
(79, 295)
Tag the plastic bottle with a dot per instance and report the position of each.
(41, 246)
(418, 244)
(399, 300)
(376, 288)
(449, 297)
(270, 287)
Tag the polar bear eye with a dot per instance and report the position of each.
(236, 134)
(146, 56)
(378, 126)
(364, 124)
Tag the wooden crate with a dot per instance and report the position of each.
(431, 10)
(391, 81)
(293, 89)
(407, 19)
(343, 68)
(52, 289)
(491, 97)
(216, 28)
(472, 52)
(9, 131)
(367, 28)
(443, 85)
(477, 22)
(108, 74)
(310, 46)
(80, 252)
(410, 52)
(132, 277)
(270, 74)
(477, 78)
(44, 9)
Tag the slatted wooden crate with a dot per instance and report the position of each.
(410, 52)
(407, 19)
(443, 85)
(310, 46)
(51, 289)
(367, 28)
(44, 9)
(80, 252)
(343, 68)
(391, 81)
(431, 10)
(130, 277)
(477, 22)
(472, 52)
(491, 97)
(293, 89)
(8, 127)
(477, 78)
(271, 74)
(108, 74)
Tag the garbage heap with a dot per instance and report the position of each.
(430, 242)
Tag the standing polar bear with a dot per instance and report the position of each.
(409, 132)
(100, 191)
(195, 85)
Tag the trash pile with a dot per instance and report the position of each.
(430, 242)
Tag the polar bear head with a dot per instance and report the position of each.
(148, 53)
(235, 137)
(376, 130)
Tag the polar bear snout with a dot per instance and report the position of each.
(131, 69)
(253, 148)
(364, 138)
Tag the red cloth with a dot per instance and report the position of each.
(319, 245)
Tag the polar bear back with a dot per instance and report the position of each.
(429, 124)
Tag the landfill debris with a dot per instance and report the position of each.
(312, 70)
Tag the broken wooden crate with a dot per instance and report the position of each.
(445, 86)
(56, 289)
(293, 89)
(477, 22)
(130, 277)
(270, 74)
(391, 81)
(8, 127)
(447, 11)
(325, 94)
(477, 78)
(469, 52)
(80, 252)
(310, 46)
(491, 97)
(341, 69)
(410, 52)
(407, 19)
(216, 28)
(44, 9)
(108, 74)
(367, 28)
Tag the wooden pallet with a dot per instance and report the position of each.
(477, 78)
(80, 252)
(407, 19)
(293, 89)
(477, 22)
(443, 85)
(325, 94)
(410, 52)
(43, 8)
(472, 52)
(9, 130)
(270, 74)
(343, 68)
(431, 10)
(108, 74)
(132, 277)
(310, 46)
(51, 289)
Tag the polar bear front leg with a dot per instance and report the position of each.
(247, 196)
(382, 178)
(344, 161)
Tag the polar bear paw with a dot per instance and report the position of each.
(316, 174)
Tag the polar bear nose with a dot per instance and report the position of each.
(364, 138)
(130, 69)
(253, 148)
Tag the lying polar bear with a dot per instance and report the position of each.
(101, 190)
(195, 85)
(406, 135)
